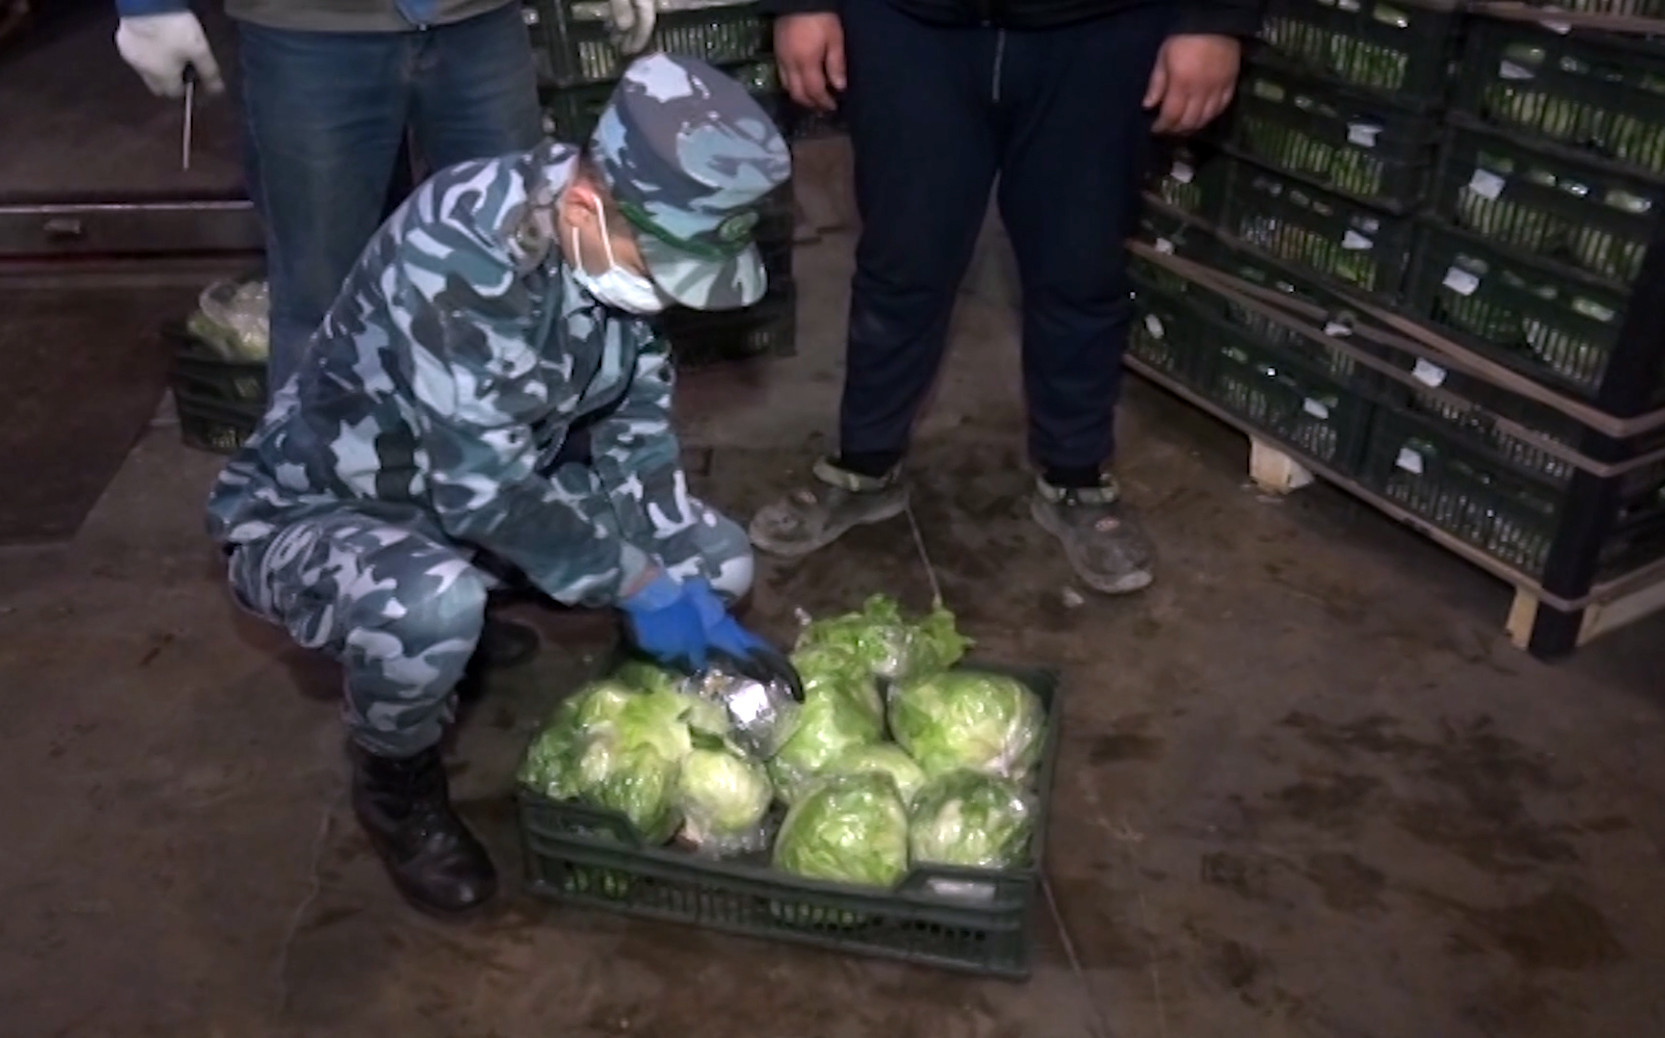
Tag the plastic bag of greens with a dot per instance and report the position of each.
(889, 645)
(233, 318)
(848, 829)
(969, 719)
(644, 676)
(724, 797)
(836, 716)
(883, 759)
(973, 819)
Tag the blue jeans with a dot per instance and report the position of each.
(326, 114)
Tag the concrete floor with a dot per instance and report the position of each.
(1306, 787)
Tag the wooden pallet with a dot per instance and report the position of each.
(1276, 468)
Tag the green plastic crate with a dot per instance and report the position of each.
(1344, 242)
(1597, 94)
(1395, 48)
(1528, 314)
(975, 920)
(1583, 214)
(1353, 144)
(1167, 333)
(1192, 177)
(571, 45)
(570, 113)
(214, 424)
(1472, 418)
(1294, 401)
(1462, 490)
(201, 372)
(1481, 497)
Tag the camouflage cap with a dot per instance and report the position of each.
(687, 154)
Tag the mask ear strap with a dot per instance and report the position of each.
(606, 239)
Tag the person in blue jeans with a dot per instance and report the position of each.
(331, 89)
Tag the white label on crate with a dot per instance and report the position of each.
(1316, 408)
(1486, 184)
(1461, 281)
(1164, 246)
(1410, 461)
(1182, 172)
(1337, 330)
(960, 889)
(1153, 324)
(1362, 134)
(1428, 374)
(1356, 242)
(1510, 70)
(1561, 27)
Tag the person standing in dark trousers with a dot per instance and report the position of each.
(1055, 100)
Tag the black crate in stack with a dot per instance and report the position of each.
(578, 69)
(219, 400)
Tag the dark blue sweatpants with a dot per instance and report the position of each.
(936, 115)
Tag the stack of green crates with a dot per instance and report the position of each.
(1547, 198)
(1497, 181)
(578, 69)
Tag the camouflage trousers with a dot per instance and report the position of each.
(401, 607)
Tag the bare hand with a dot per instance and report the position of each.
(1194, 79)
(810, 51)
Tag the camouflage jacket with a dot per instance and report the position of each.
(444, 381)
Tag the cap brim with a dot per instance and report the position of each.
(701, 283)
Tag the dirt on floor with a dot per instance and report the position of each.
(1306, 787)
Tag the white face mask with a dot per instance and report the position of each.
(615, 287)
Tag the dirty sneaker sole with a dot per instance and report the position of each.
(1125, 584)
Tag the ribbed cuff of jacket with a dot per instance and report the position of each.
(139, 8)
(1219, 19)
(780, 8)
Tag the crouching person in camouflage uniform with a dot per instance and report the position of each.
(486, 385)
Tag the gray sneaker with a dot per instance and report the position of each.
(812, 517)
(1100, 535)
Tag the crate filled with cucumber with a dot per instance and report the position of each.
(1352, 143)
(573, 45)
(570, 113)
(1191, 177)
(1586, 215)
(1475, 494)
(1557, 328)
(1599, 95)
(1345, 242)
(1398, 49)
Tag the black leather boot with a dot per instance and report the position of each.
(405, 808)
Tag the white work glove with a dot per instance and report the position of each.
(161, 46)
(632, 24)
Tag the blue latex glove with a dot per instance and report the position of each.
(681, 624)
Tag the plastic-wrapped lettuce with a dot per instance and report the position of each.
(551, 763)
(636, 779)
(724, 796)
(970, 818)
(837, 714)
(887, 644)
(613, 747)
(883, 759)
(969, 719)
(847, 829)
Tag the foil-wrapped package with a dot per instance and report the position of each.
(762, 713)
